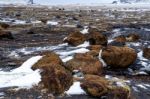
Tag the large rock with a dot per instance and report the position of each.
(54, 77)
(99, 86)
(96, 38)
(118, 92)
(119, 57)
(4, 25)
(95, 86)
(85, 63)
(146, 53)
(48, 58)
(5, 34)
(75, 38)
(132, 37)
(120, 38)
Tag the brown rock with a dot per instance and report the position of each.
(99, 86)
(48, 58)
(119, 57)
(96, 38)
(132, 37)
(5, 34)
(75, 39)
(85, 63)
(116, 92)
(44, 20)
(4, 25)
(54, 77)
(95, 86)
(146, 53)
(94, 53)
(121, 39)
(95, 47)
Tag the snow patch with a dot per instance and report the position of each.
(75, 89)
(23, 77)
(54, 23)
(141, 86)
(100, 58)
(85, 30)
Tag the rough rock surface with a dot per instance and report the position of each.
(4, 25)
(99, 86)
(132, 37)
(85, 63)
(119, 57)
(96, 38)
(5, 34)
(146, 53)
(95, 85)
(54, 77)
(75, 38)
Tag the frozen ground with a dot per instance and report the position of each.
(20, 48)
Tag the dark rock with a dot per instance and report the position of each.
(6, 34)
(4, 25)
(146, 53)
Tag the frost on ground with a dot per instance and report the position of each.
(23, 76)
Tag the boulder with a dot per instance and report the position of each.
(85, 63)
(95, 85)
(56, 79)
(120, 38)
(95, 47)
(54, 76)
(132, 38)
(5, 34)
(146, 53)
(99, 86)
(44, 21)
(4, 25)
(75, 39)
(118, 92)
(48, 58)
(119, 57)
(96, 38)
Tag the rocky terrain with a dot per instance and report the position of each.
(81, 52)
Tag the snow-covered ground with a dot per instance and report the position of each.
(23, 76)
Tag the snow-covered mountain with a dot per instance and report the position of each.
(66, 2)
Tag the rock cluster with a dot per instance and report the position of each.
(94, 38)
